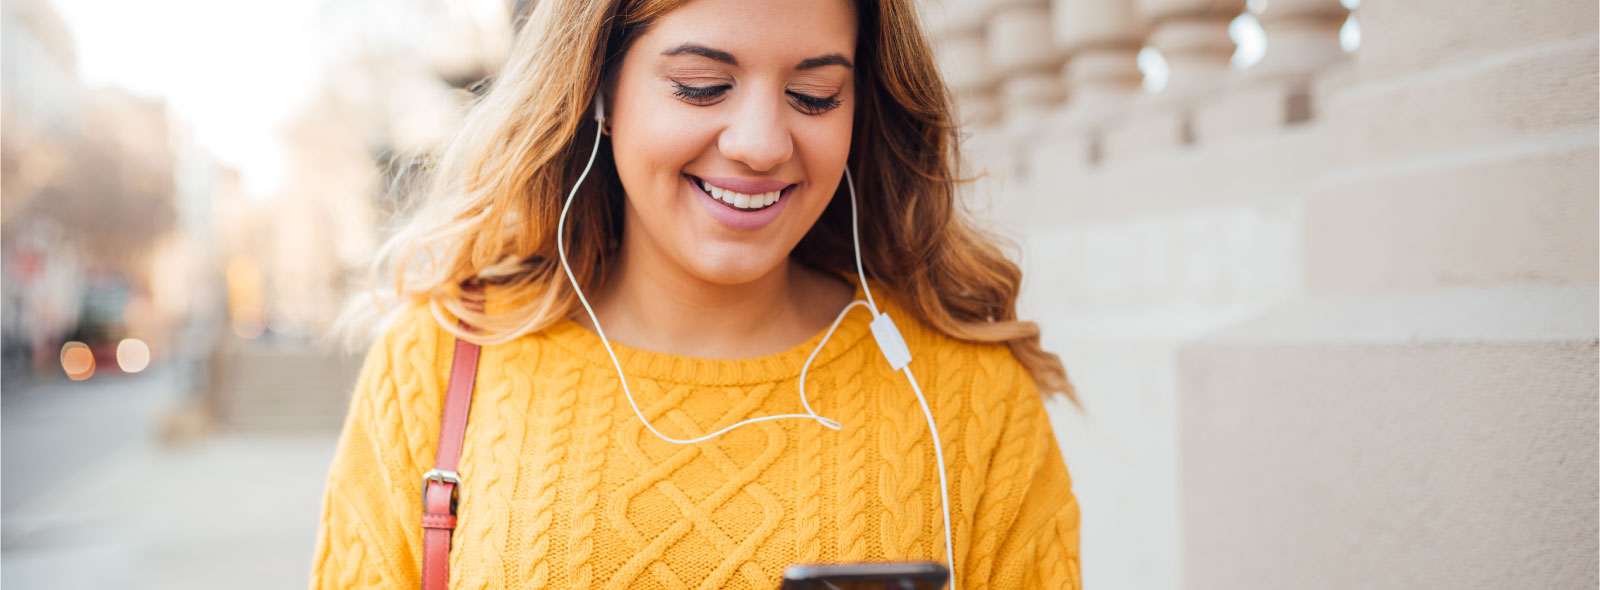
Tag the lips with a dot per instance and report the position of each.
(744, 185)
(738, 200)
(732, 216)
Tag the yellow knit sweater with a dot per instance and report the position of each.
(565, 488)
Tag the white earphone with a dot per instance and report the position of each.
(890, 342)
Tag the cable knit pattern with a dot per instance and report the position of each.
(904, 457)
(852, 451)
(565, 488)
(593, 432)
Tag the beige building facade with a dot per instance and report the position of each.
(1332, 315)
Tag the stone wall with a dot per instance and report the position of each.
(1332, 316)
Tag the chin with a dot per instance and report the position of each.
(734, 266)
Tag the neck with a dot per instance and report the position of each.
(654, 305)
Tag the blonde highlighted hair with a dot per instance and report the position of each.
(489, 201)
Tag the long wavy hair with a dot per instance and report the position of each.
(490, 199)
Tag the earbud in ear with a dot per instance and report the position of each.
(599, 107)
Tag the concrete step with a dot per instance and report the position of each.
(286, 390)
(284, 423)
(1390, 429)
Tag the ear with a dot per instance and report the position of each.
(605, 87)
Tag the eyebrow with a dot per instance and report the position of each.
(832, 59)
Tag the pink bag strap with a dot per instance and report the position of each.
(440, 485)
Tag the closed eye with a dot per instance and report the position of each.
(812, 105)
(701, 95)
(707, 95)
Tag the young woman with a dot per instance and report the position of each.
(705, 278)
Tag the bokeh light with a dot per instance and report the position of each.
(77, 360)
(133, 355)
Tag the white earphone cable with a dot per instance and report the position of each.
(888, 337)
(561, 249)
(938, 449)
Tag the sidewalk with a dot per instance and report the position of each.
(235, 511)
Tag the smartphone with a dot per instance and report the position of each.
(866, 576)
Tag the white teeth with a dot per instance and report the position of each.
(741, 200)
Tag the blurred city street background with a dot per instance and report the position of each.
(191, 190)
(1324, 272)
(95, 499)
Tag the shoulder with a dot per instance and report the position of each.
(409, 360)
(411, 332)
(398, 396)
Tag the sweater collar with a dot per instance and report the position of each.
(659, 366)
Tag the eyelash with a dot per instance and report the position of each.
(701, 95)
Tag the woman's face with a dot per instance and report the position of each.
(753, 98)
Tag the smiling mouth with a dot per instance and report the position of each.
(740, 201)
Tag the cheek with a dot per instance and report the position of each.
(653, 141)
(824, 149)
(650, 150)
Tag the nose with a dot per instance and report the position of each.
(758, 135)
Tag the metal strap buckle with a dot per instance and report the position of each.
(441, 476)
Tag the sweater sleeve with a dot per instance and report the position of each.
(370, 534)
(1038, 548)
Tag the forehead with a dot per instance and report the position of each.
(758, 33)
